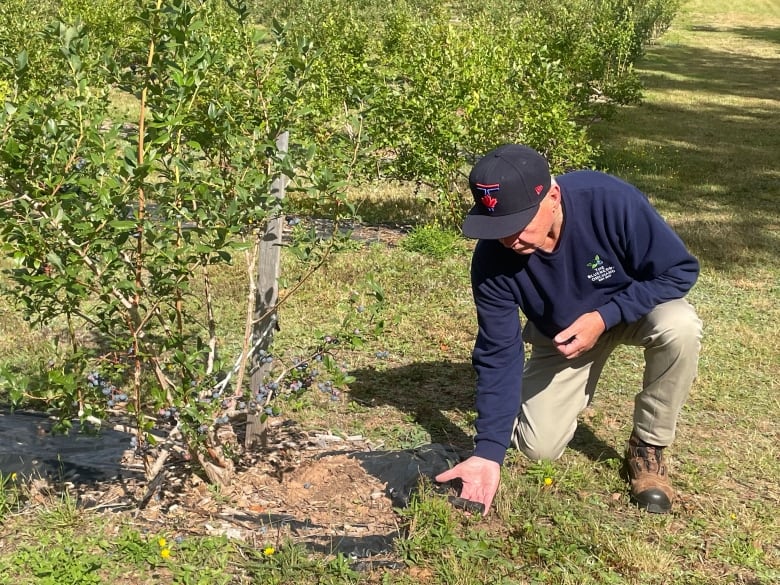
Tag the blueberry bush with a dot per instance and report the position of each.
(111, 223)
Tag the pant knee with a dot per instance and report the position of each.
(679, 330)
(538, 449)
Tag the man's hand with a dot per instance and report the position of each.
(581, 335)
(480, 479)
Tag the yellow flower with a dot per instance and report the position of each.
(13, 476)
(548, 481)
(733, 516)
(165, 553)
(268, 551)
(162, 542)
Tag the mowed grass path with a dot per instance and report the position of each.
(705, 145)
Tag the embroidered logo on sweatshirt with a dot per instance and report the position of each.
(599, 271)
(596, 262)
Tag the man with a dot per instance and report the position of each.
(591, 265)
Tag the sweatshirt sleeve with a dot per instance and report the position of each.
(498, 361)
(655, 258)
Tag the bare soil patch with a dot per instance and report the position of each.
(331, 494)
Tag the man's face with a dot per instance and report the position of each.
(535, 234)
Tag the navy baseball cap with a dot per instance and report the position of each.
(508, 183)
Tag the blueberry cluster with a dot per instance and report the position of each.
(382, 355)
(113, 395)
(327, 388)
(168, 413)
(264, 391)
(265, 357)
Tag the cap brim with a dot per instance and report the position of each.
(481, 226)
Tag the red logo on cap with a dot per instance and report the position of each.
(489, 201)
(539, 189)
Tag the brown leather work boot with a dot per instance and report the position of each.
(647, 473)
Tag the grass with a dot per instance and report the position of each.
(703, 146)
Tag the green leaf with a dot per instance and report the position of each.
(123, 225)
(22, 62)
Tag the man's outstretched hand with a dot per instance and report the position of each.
(480, 479)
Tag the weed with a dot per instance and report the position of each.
(9, 494)
(61, 513)
(433, 241)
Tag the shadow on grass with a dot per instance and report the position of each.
(758, 33)
(589, 444)
(426, 392)
(431, 393)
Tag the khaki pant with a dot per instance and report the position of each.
(556, 390)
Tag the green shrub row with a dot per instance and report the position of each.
(435, 84)
(425, 86)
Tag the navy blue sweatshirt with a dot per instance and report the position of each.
(615, 255)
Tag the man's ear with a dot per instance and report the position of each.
(554, 193)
